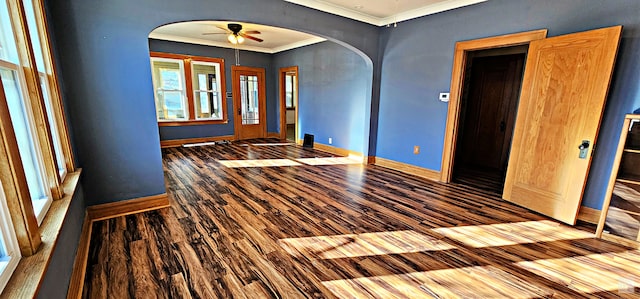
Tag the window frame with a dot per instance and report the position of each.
(26, 224)
(35, 143)
(182, 90)
(188, 60)
(9, 240)
(215, 92)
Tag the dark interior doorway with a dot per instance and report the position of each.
(487, 117)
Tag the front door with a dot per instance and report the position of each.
(564, 89)
(249, 102)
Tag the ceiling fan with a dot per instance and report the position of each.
(236, 35)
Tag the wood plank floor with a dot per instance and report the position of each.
(321, 227)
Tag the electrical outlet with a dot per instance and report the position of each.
(330, 140)
(416, 149)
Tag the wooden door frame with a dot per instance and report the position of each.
(237, 120)
(457, 82)
(282, 72)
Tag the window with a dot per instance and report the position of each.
(32, 130)
(289, 90)
(55, 134)
(39, 53)
(206, 90)
(22, 120)
(168, 82)
(249, 100)
(188, 89)
(27, 143)
(9, 252)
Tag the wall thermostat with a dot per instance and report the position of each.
(444, 96)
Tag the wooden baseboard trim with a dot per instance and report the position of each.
(127, 207)
(102, 212)
(371, 160)
(408, 168)
(26, 279)
(273, 135)
(339, 151)
(180, 142)
(76, 284)
(590, 215)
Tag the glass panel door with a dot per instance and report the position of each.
(249, 102)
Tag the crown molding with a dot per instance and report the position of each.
(337, 10)
(403, 16)
(205, 42)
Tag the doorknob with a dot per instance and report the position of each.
(584, 148)
(239, 111)
(584, 145)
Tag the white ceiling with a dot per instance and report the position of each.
(376, 12)
(384, 12)
(275, 39)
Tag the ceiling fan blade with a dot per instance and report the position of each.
(251, 32)
(223, 28)
(250, 37)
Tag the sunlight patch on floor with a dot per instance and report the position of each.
(329, 161)
(591, 273)
(469, 282)
(289, 162)
(505, 234)
(258, 163)
(272, 144)
(367, 244)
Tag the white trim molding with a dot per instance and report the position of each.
(399, 17)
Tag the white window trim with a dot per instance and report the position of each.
(10, 242)
(62, 173)
(43, 206)
(216, 92)
(183, 84)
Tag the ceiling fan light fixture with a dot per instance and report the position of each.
(232, 39)
(235, 39)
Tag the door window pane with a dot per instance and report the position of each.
(168, 84)
(249, 100)
(26, 141)
(206, 87)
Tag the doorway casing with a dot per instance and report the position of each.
(457, 83)
(282, 73)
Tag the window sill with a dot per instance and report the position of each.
(191, 123)
(26, 279)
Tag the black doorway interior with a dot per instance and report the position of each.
(489, 104)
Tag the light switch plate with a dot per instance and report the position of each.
(444, 96)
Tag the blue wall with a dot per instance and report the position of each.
(333, 83)
(103, 52)
(58, 273)
(247, 58)
(417, 59)
(103, 58)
